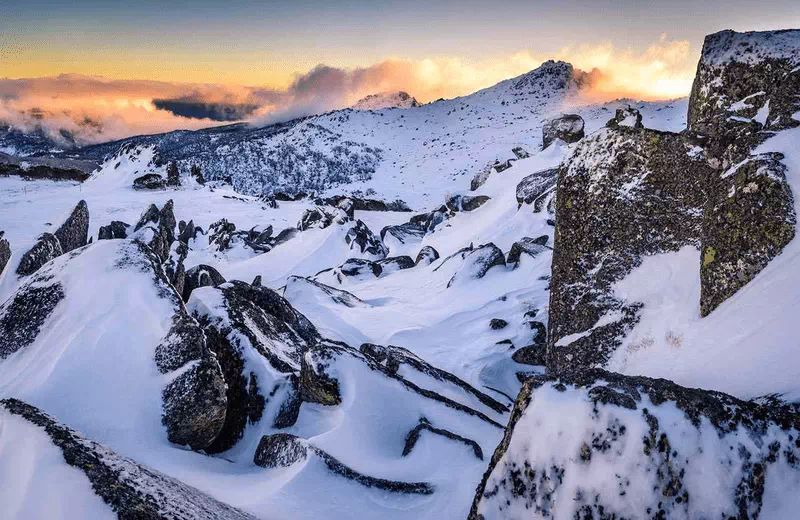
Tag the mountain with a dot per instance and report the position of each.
(603, 327)
(386, 100)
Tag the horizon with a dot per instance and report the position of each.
(193, 66)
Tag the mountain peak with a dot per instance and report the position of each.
(398, 99)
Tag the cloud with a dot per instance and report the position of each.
(94, 109)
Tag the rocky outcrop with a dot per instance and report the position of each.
(528, 246)
(5, 252)
(456, 203)
(47, 248)
(362, 238)
(200, 276)
(623, 194)
(117, 229)
(623, 446)
(568, 128)
(426, 256)
(394, 264)
(476, 262)
(536, 186)
(130, 490)
(745, 90)
(221, 233)
(150, 181)
(297, 286)
(627, 117)
(74, 232)
(283, 450)
(253, 322)
(23, 315)
(324, 365)
(322, 217)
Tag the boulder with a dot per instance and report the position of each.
(528, 246)
(745, 90)
(626, 117)
(520, 153)
(476, 262)
(623, 194)
(130, 490)
(74, 232)
(403, 233)
(116, 230)
(244, 322)
(47, 248)
(149, 216)
(497, 324)
(359, 267)
(361, 236)
(633, 447)
(298, 286)
(394, 264)
(535, 185)
(150, 181)
(5, 252)
(201, 276)
(568, 128)
(456, 203)
(188, 233)
(283, 450)
(426, 256)
(318, 217)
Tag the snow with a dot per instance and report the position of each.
(37, 482)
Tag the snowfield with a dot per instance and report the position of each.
(362, 361)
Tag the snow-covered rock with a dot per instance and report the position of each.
(568, 128)
(602, 445)
(387, 100)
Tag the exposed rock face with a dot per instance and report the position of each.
(426, 256)
(286, 450)
(129, 489)
(476, 262)
(23, 315)
(117, 229)
(47, 248)
(5, 252)
(528, 246)
(253, 321)
(631, 447)
(624, 193)
(151, 181)
(568, 128)
(149, 216)
(745, 89)
(201, 276)
(319, 217)
(536, 186)
(188, 233)
(413, 437)
(74, 232)
(361, 236)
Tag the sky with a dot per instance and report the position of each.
(276, 57)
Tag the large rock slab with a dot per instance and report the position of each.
(568, 128)
(128, 488)
(47, 248)
(74, 232)
(623, 194)
(602, 445)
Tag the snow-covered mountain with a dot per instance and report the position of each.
(174, 347)
(387, 100)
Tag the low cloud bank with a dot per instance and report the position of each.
(93, 109)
